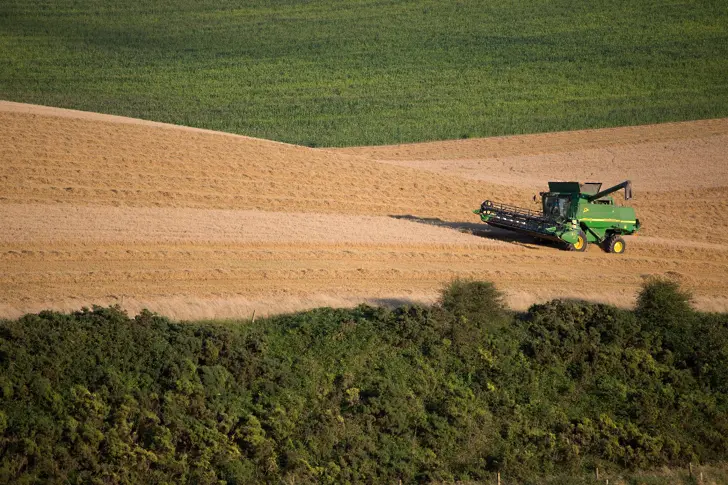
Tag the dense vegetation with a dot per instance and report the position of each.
(452, 392)
(337, 73)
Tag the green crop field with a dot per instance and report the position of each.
(339, 73)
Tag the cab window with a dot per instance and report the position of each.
(557, 207)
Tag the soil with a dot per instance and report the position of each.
(99, 209)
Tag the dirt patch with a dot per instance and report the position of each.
(38, 223)
(97, 209)
(85, 160)
(656, 157)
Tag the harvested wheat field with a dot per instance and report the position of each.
(97, 209)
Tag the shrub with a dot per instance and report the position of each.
(452, 392)
(661, 302)
(478, 301)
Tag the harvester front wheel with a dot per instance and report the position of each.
(616, 245)
(580, 244)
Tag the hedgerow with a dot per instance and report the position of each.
(456, 391)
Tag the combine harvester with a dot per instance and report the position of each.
(573, 214)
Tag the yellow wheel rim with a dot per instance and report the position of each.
(579, 243)
(618, 247)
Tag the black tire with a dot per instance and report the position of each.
(580, 245)
(615, 244)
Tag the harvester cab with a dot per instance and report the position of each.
(572, 213)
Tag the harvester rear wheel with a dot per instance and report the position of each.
(580, 244)
(616, 245)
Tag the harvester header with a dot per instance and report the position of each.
(573, 213)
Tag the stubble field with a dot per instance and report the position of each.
(96, 209)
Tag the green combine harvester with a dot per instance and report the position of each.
(573, 214)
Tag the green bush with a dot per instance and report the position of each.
(473, 300)
(368, 395)
(661, 302)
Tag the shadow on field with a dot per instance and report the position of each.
(476, 229)
(394, 302)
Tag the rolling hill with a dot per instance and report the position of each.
(99, 209)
